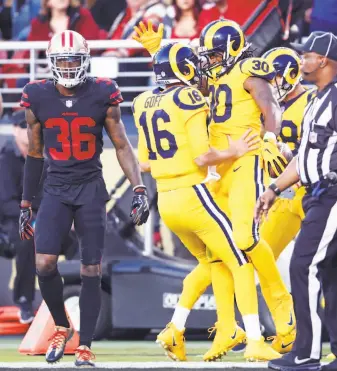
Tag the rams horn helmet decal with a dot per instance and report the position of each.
(286, 63)
(174, 63)
(223, 38)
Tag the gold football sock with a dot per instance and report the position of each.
(272, 285)
(245, 290)
(195, 284)
(223, 289)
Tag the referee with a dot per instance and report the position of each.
(314, 262)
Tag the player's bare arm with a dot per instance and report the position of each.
(128, 162)
(32, 173)
(288, 178)
(236, 149)
(262, 92)
(34, 132)
(35, 148)
(124, 151)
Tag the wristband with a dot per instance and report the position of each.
(275, 189)
(139, 189)
(31, 178)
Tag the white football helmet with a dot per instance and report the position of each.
(69, 57)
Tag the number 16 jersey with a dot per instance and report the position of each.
(166, 141)
(72, 126)
(233, 109)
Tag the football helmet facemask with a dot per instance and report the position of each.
(286, 63)
(222, 38)
(174, 63)
(69, 57)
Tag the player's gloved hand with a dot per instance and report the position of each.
(25, 229)
(140, 206)
(149, 38)
(273, 160)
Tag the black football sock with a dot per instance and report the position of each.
(90, 304)
(51, 287)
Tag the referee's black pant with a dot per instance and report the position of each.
(313, 267)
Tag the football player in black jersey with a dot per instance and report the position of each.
(66, 117)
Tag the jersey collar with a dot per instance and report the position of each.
(160, 90)
(287, 104)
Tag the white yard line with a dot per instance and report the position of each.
(142, 365)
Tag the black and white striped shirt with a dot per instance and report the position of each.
(317, 155)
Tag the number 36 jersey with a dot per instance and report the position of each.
(233, 109)
(166, 139)
(72, 126)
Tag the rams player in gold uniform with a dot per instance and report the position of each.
(284, 218)
(173, 144)
(240, 90)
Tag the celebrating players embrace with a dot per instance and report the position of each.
(213, 215)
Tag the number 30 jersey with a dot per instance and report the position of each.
(72, 126)
(233, 109)
(165, 139)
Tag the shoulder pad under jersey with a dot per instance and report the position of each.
(188, 98)
(257, 67)
(29, 92)
(110, 90)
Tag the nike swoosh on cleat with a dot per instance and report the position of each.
(233, 337)
(283, 346)
(236, 169)
(290, 323)
(300, 361)
(173, 341)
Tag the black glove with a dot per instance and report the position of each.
(25, 229)
(140, 206)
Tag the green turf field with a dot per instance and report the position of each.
(121, 351)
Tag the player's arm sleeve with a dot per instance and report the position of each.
(25, 97)
(111, 91)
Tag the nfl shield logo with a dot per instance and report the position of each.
(69, 103)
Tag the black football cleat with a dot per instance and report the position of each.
(291, 362)
(58, 343)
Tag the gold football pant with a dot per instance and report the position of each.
(194, 216)
(241, 185)
(283, 223)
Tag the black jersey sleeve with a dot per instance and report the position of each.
(111, 91)
(29, 94)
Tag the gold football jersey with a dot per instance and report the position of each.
(292, 117)
(161, 117)
(233, 109)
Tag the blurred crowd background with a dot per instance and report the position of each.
(38, 20)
